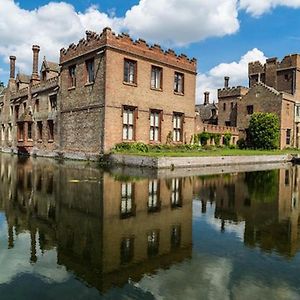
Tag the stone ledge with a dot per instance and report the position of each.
(193, 162)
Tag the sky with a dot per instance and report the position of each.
(224, 35)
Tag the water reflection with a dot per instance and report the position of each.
(267, 201)
(90, 231)
(105, 229)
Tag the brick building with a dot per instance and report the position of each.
(273, 88)
(107, 89)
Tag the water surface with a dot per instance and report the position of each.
(74, 231)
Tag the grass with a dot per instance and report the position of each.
(205, 153)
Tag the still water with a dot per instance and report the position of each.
(73, 231)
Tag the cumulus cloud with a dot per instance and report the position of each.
(182, 22)
(51, 26)
(236, 70)
(258, 7)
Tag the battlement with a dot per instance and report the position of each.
(45, 85)
(256, 67)
(289, 61)
(123, 42)
(236, 91)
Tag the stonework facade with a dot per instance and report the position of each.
(107, 89)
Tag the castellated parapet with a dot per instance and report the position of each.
(256, 68)
(123, 42)
(236, 91)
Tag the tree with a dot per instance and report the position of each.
(263, 131)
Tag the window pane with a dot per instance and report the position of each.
(130, 133)
(125, 117)
(152, 119)
(130, 117)
(156, 132)
(124, 133)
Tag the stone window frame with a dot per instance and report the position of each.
(177, 122)
(130, 72)
(179, 83)
(250, 109)
(72, 76)
(39, 125)
(129, 116)
(90, 71)
(50, 131)
(154, 125)
(154, 78)
(29, 131)
(288, 136)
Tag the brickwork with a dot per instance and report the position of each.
(91, 96)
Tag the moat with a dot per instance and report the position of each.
(70, 230)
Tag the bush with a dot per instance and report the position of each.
(217, 139)
(227, 139)
(204, 137)
(139, 147)
(263, 131)
(241, 143)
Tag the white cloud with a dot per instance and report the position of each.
(182, 22)
(51, 26)
(258, 7)
(237, 71)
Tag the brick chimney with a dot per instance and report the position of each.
(226, 82)
(35, 65)
(12, 60)
(206, 98)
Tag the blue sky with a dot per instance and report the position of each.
(224, 35)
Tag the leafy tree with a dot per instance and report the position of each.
(204, 137)
(263, 131)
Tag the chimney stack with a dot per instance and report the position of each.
(226, 82)
(12, 67)
(206, 98)
(35, 65)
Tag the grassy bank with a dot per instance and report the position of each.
(186, 151)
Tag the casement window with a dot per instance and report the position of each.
(90, 70)
(17, 109)
(130, 71)
(37, 106)
(10, 128)
(177, 127)
(3, 132)
(155, 125)
(29, 131)
(249, 109)
(129, 114)
(127, 250)
(175, 236)
(153, 196)
(53, 103)
(156, 78)
(72, 76)
(153, 243)
(40, 130)
(176, 200)
(288, 136)
(127, 205)
(179, 83)
(50, 131)
(21, 131)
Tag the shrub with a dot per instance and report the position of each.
(217, 139)
(139, 147)
(204, 137)
(241, 143)
(263, 131)
(227, 139)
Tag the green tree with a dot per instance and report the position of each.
(263, 131)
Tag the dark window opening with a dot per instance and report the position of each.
(288, 136)
(249, 109)
(40, 130)
(50, 130)
(127, 250)
(72, 76)
(29, 131)
(90, 69)
(179, 83)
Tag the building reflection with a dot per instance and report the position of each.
(267, 201)
(105, 229)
